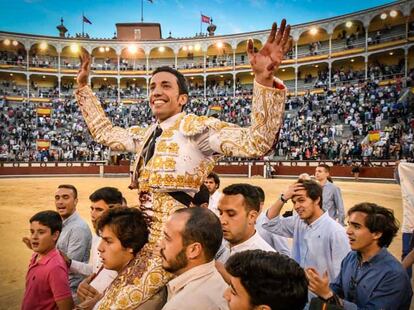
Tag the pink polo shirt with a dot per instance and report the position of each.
(46, 282)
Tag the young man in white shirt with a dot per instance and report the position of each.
(239, 208)
(191, 239)
(213, 183)
(102, 200)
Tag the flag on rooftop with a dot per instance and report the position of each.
(205, 19)
(85, 20)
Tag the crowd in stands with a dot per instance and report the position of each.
(327, 126)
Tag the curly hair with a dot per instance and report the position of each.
(270, 279)
(130, 225)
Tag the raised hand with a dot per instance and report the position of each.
(83, 73)
(269, 58)
(318, 284)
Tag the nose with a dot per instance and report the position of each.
(101, 247)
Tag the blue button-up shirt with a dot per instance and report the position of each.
(380, 283)
(321, 245)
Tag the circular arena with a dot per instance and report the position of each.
(350, 82)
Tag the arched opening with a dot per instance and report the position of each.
(219, 54)
(43, 86)
(161, 56)
(386, 65)
(348, 35)
(313, 76)
(190, 56)
(105, 87)
(104, 58)
(347, 71)
(386, 26)
(314, 41)
(12, 54)
(13, 84)
(133, 59)
(43, 55)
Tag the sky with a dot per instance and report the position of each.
(181, 17)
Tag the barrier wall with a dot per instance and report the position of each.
(269, 169)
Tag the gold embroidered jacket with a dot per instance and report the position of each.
(189, 145)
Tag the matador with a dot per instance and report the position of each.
(175, 154)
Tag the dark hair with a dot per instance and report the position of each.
(69, 186)
(48, 218)
(379, 219)
(182, 83)
(249, 192)
(202, 226)
(130, 225)
(213, 175)
(261, 192)
(202, 196)
(270, 279)
(313, 190)
(111, 196)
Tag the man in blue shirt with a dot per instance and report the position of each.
(370, 277)
(318, 240)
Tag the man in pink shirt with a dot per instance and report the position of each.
(47, 284)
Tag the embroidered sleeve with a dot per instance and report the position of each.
(256, 140)
(101, 129)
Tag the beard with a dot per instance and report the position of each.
(173, 265)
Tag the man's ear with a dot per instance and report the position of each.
(182, 99)
(55, 235)
(194, 250)
(377, 235)
(252, 215)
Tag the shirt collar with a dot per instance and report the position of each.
(45, 259)
(319, 221)
(170, 121)
(374, 259)
(71, 218)
(177, 284)
(244, 244)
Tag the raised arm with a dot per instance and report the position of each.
(268, 102)
(100, 127)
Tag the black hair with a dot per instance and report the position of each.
(249, 192)
(261, 192)
(313, 190)
(111, 196)
(202, 196)
(182, 83)
(213, 175)
(202, 226)
(130, 225)
(270, 279)
(48, 218)
(379, 219)
(327, 169)
(69, 186)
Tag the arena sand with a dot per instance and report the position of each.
(20, 198)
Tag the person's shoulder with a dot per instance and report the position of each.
(192, 124)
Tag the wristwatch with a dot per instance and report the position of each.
(282, 198)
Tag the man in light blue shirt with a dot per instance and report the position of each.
(332, 198)
(318, 241)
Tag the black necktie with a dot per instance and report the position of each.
(151, 147)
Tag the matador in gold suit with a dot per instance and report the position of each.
(185, 153)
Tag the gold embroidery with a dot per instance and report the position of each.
(168, 164)
(167, 148)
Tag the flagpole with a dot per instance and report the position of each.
(201, 23)
(142, 11)
(83, 23)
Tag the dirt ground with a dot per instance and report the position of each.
(20, 198)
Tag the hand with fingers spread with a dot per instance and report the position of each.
(85, 290)
(317, 284)
(26, 241)
(269, 58)
(85, 68)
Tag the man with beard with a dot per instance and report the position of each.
(191, 239)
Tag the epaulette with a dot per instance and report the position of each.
(192, 125)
